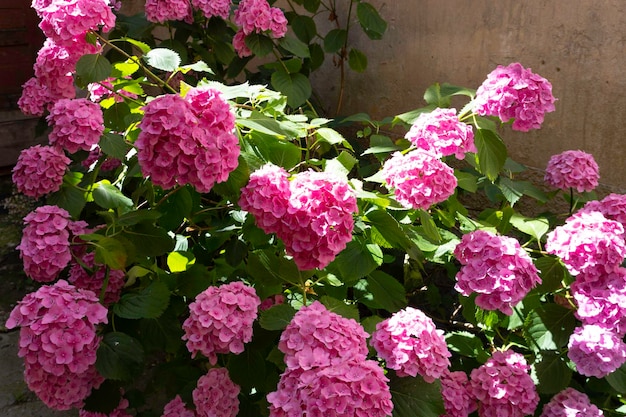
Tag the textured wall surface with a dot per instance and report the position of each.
(578, 46)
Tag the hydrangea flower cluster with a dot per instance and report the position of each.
(572, 169)
(317, 337)
(95, 154)
(515, 92)
(457, 398)
(311, 214)
(35, 98)
(210, 8)
(58, 342)
(45, 244)
(442, 133)
(271, 302)
(39, 170)
(588, 240)
(419, 178)
(119, 411)
(570, 403)
(93, 278)
(177, 408)
(503, 386)
(596, 351)
(216, 395)
(613, 207)
(188, 140)
(77, 124)
(160, 11)
(239, 43)
(410, 343)
(220, 320)
(65, 21)
(256, 16)
(496, 268)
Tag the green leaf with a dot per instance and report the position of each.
(492, 152)
(549, 327)
(439, 95)
(149, 240)
(180, 261)
(263, 124)
(276, 317)
(311, 6)
(535, 227)
(355, 262)
(162, 334)
(617, 379)
(373, 25)
(509, 191)
(69, 198)
(392, 232)
(114, 145)
(304, 27)
(339, 307)
(279, 152)
(92, 68)
(109, 196)
(552, 373)
(467, 344)
(111, 252)
(296, 87)
(295, 46)
(163, 59)
(117, 117)
(335, 40)
(357, 60)
(317, 56)
(466, 181)
(380, 144)
(552, 273)
(260, 45)
(429, 227)
(239, 367)
(143, 47)
(149, 302)
(387, 291)
(119, 356)
(414, 397)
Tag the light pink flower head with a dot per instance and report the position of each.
(317, 337)
(442, 133)
(35, 98)
(588, 240)
(76, 124)
(419, 179)
(410, 343)
(160, 11)
(211, 8)
(503, 386)
(496, 268)
(596, 351)
(216, 395)
(515, 92)
(457, 398)
(39, 170)
(570, 403)
(220, 320)
(572, 169)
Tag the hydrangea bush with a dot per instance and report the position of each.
(210, 247)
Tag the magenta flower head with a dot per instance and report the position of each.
(503, 386)
(35, 98)
(239, 43)
(442, 133)
(496, 268)
(419, 179)
(39, 170)
(256, 16)
(160, 11)
(514, 92)
(220, 320)
(613, 207)
(588, 240)
(596, 351)
(572, 169)
(76, 124)
(410, 343)
(570, 403)
(317, 337)
(211, 8)
(177, 408)
(216, 394)
(353, 388)
(91, 276)
(457, 398)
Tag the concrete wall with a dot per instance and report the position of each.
(578, 46)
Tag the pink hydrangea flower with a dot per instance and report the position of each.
(211, 8)
(455, 390)
(442, 133)
(572, 169)
(317, 337)
(91, 276)
(613, 207)
(353, 388)
(410, 343)
(177, 408)
(119, 411)
(496, 268)
(188, 141)
(503, 386)
(220, 320)
(104, 89)
(160, 11)
(312, 214)
(256, 16)
(95, 154)
(76, 124)
(39, 170)
(239, 43)
(514, 92)
(588, 240)
(419, 179)
(58, 342)
(35, 98)
(596, 351)
(272, 301)
(65, 20)
(216, 395)
(45, 245)
(570, 403)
